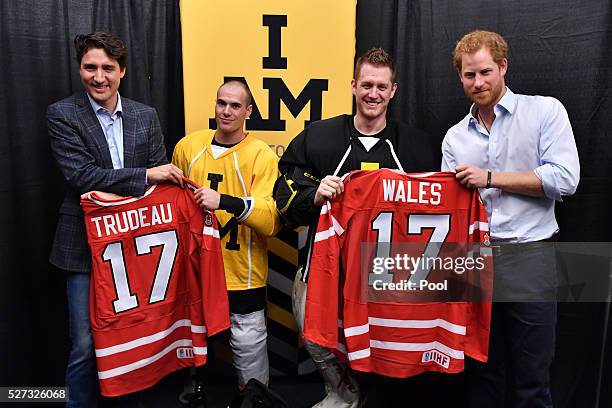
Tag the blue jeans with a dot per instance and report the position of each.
(81, 374)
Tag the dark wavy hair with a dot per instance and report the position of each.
(114, 47)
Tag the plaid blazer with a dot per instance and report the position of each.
(81, 152)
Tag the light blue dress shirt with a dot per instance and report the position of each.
(529, 133)
(112, 125)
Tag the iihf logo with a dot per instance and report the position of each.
(436, 357)
(184, 352)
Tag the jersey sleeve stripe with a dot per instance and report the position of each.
(356, 355)
(478, 225)
(249, 205)
(326, 208)
(325, 234)
(337, 227)
(418, 324)
(201, 351)
(102, 375)
(356, 330)
(211, 231)
(198, 329)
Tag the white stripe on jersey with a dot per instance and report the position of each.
(118, 348)
(434, 345)
(103, 375)
(418, 324)
(404, 324)
(192, 162)
(385, 345)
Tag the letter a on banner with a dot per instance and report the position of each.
(297, 58)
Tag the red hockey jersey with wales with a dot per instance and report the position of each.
(395, 338)
(157, 287)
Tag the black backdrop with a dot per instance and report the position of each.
(557, 47)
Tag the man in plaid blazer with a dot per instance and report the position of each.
(100, 141)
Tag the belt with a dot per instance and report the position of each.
(500, 248)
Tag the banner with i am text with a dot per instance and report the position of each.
(297, 57)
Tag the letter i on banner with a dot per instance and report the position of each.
(297, 58)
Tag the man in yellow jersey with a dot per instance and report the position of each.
(237, 174)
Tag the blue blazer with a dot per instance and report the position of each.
(81, 152)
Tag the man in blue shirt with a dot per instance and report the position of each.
(519, 150)
(100, 141)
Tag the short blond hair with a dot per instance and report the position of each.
(475, 40)
(376, 57)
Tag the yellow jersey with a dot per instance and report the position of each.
(248, 171)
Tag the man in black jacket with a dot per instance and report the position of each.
(310, 174)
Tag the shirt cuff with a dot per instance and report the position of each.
(546, 174)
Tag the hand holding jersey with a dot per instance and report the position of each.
(166, 172)
(330, 188)
(207, 198)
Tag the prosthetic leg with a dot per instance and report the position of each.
(248, 342)
(341, 388)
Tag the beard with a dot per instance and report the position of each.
(489, 98)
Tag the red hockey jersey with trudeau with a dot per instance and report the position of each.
(157, 286)
(396, 338)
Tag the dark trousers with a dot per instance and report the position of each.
(522, 340)
(521, 350)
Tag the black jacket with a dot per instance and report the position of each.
(318, 150)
